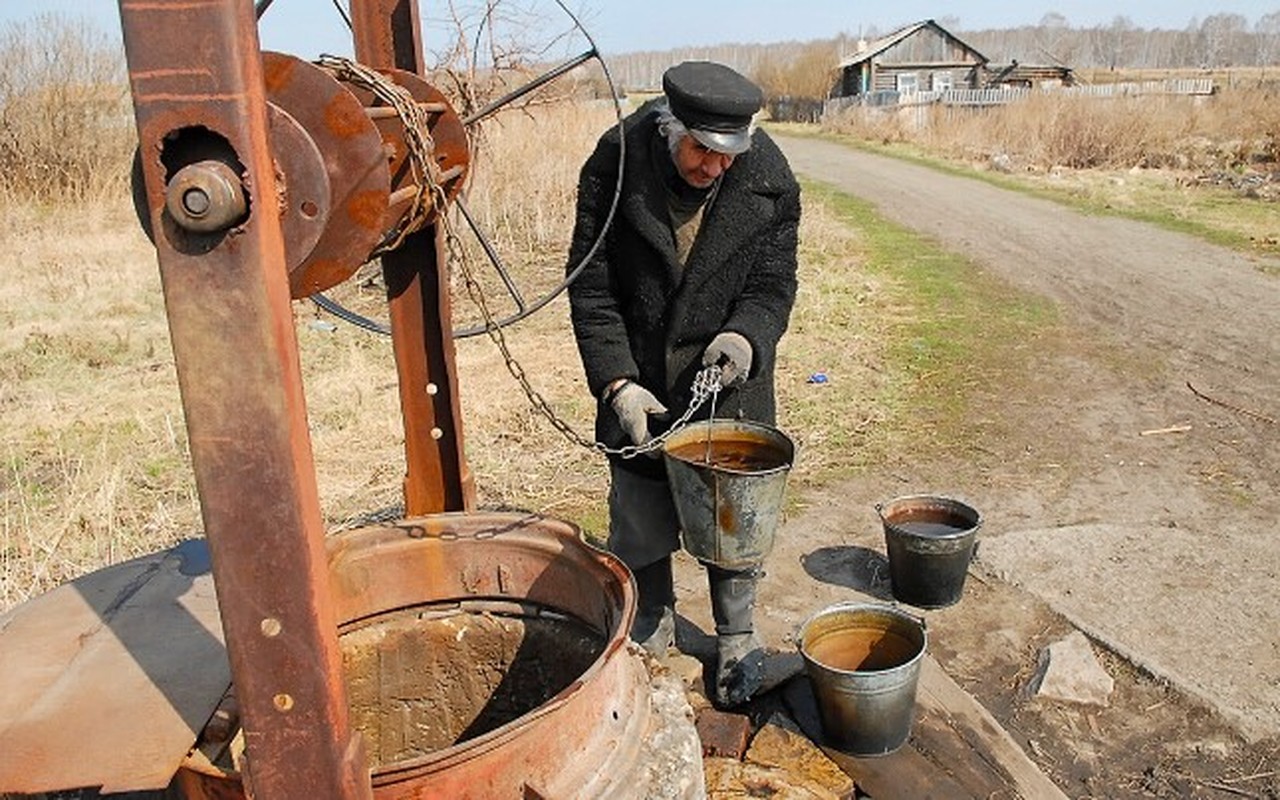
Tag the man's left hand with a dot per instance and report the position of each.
(732, 352)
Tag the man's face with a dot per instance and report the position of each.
(699, 165)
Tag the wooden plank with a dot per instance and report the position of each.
(957, 749)
(109, 679)
(940, 697)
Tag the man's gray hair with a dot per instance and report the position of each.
(669, 126)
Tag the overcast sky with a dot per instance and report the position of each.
(309, 27)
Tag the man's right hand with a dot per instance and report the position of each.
(633, 404)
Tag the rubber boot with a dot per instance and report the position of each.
(739, 654)
(655, 625)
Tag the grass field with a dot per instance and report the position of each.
(93, 446)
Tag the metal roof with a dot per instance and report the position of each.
(882, 44)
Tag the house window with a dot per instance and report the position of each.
(941, 81)
(908, 82)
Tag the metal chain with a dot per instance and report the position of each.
(418, 143)
(706, 384)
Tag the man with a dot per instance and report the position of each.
(698, 268)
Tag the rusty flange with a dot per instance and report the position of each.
(360, 148)
(351, 155)
(451, 153)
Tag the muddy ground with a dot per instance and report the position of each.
(1116, 500)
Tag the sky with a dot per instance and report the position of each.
(307, 28)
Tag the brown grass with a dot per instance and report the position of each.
(1225, 77)
(96, 465)
(66, 124)
(93, 444)
(1233, 129)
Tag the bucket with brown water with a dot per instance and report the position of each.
(930, 541)
(727, 479)
(863, 660)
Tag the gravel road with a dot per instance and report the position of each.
(1164, 547)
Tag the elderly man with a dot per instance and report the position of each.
(698, 268)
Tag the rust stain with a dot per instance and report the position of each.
(367, 208)
(316, 275)
(338, 119)
(277, 73)
(726, 519)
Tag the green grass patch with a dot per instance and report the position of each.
(1211, 213)
(948, 335)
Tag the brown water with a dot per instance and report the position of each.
(932, 529)
(861, 649)
(738, 455)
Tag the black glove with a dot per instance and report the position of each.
(732, 352)
(633, 404)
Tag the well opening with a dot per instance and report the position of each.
(421, 680)
(470, 641)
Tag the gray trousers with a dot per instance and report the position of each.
(643, 525)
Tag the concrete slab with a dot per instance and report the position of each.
(1154, 594)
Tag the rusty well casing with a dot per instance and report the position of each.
(583, 742)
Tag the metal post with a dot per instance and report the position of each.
(388, 34)
(196, 76)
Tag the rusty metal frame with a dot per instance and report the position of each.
(388, 35)
(196, 76)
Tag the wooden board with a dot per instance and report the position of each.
(957, 749)
(107, 680)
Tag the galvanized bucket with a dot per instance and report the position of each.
(930, 541)
(863, 660)
(727, 478)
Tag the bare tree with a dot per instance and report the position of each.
(808, 72)
(1116, 41)
(1050, 36)
(1267, 34)
(1223, 39)
(1053, 21)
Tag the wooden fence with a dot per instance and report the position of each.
(978, 98)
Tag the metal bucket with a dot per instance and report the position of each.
(863, 660)
(727, 478)
(930, 541)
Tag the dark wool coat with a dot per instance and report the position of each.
(638, 314)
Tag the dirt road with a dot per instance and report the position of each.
(1162, 547)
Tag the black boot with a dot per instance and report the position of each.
(655, 625)
(740, 656)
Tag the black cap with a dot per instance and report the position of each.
(714, 102)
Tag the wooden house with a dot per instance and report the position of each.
(917, 58)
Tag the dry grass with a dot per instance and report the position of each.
(1233, 129)
(1227, 77)
(96, 466)
(93, 444)
(1206, 166)
(66, 124)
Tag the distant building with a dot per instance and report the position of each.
(1029, 76)
(925, 57)
(918, 58)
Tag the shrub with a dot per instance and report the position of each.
(66, 126)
